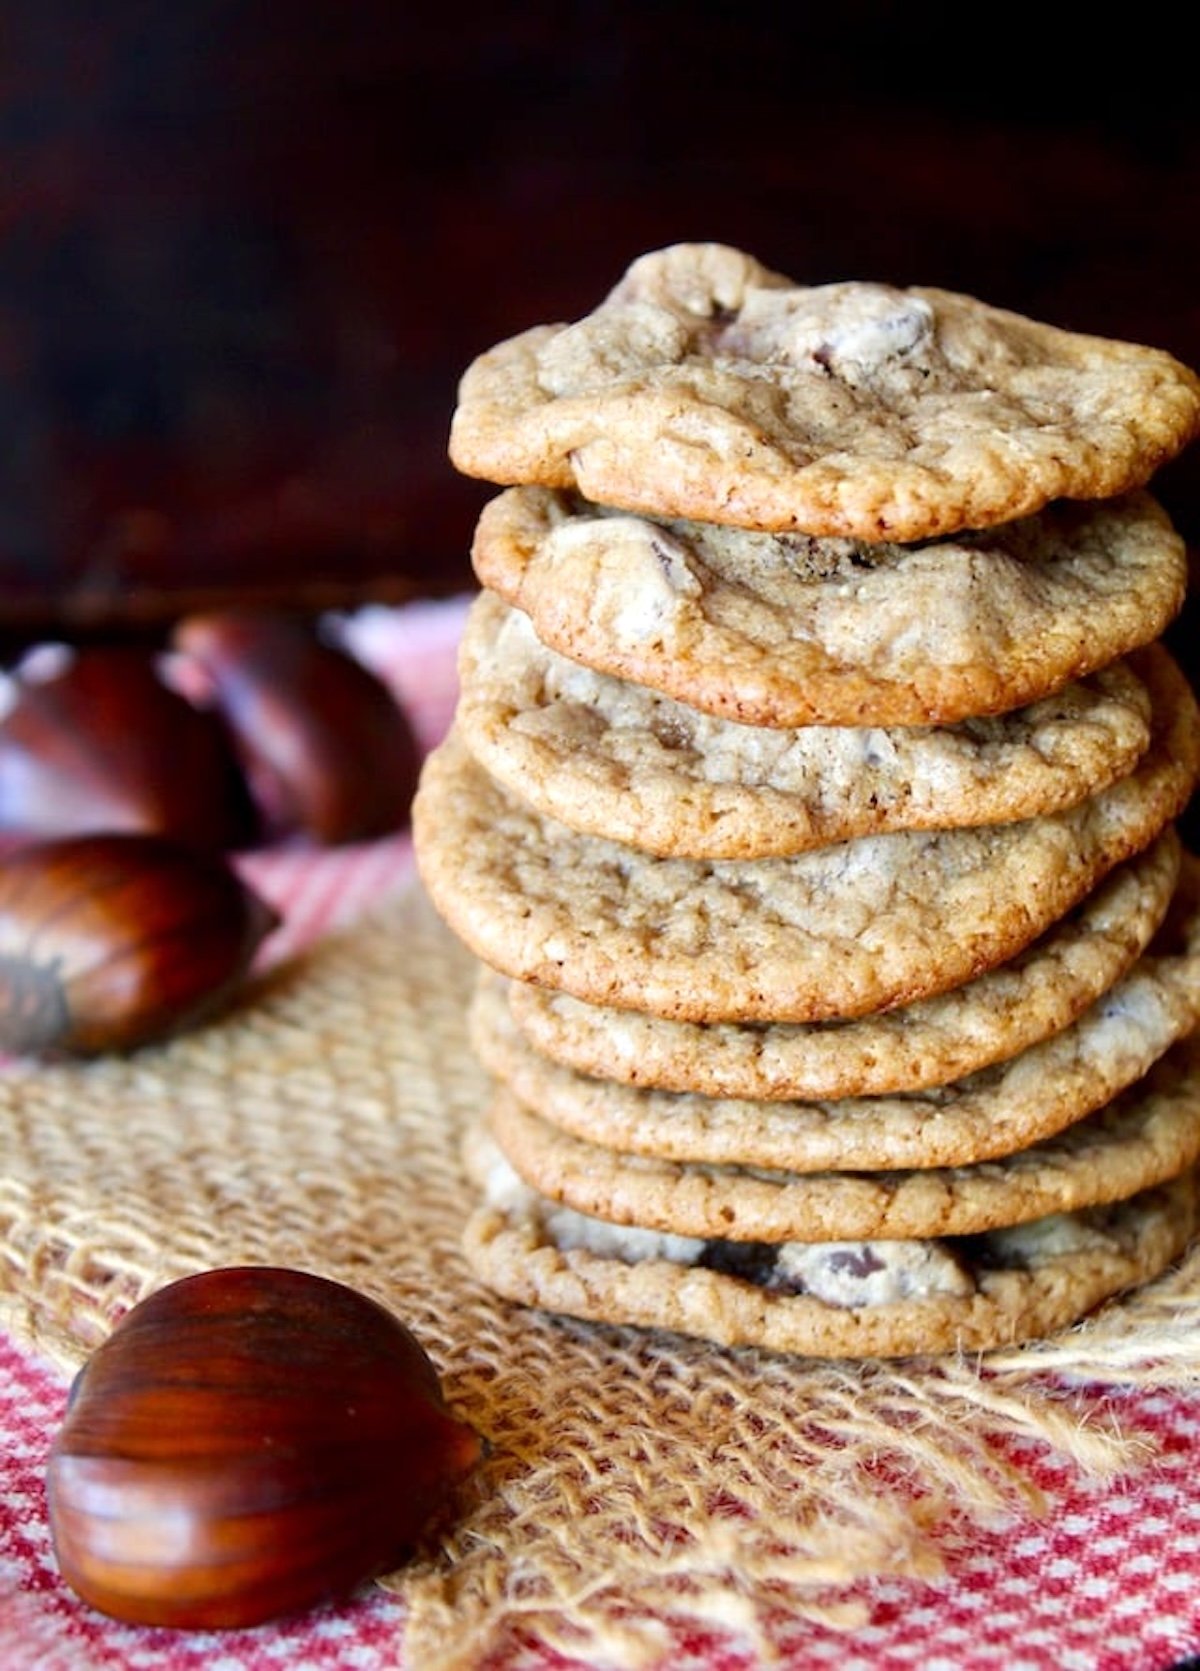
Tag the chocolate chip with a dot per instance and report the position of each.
(856, 1262)
(749, 1261)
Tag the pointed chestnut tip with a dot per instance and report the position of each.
(466, 1449)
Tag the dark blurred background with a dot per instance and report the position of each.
(247, 250)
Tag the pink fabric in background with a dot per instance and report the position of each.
(1109, 1580)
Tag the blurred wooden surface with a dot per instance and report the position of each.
(245, 253)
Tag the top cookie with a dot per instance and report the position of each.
(705, 386)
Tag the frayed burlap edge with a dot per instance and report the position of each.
(637, 1482)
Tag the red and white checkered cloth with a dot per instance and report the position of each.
(1108, 1580)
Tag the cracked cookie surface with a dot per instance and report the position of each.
(615, 759)
(1146, 1136)
(1020, 1284)
(707, 386)
(787, 630)
(840, 931)
(986, 1115)
(926, 1043)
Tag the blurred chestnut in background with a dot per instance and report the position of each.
(326, 749)
(111, 941)
(101, 743)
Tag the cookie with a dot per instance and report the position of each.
(840, 931)
(926, 1043)
(865, 1299)
(788, 630)
(705, 386)
(614, 759)
(985, 1116)
(1144, 1137)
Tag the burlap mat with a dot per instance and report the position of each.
(636, 1482)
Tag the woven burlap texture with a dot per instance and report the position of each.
(636, 1482)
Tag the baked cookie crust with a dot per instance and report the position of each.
(786, 630)
(525, 1249)
(707, 386)
(837, 932)
(1144, 1137)
(983, 1116)
(930, 1042)
(614, 759)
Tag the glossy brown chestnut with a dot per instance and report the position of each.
(105, 744)
(248, 1442)
(325, 746)
(109, 941)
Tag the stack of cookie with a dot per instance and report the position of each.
(810, 807)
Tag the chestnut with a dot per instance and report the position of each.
(110, 941)
(325, 746)
(247, 1443)
(104, 743)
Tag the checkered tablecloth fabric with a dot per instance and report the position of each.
(1107, 1580)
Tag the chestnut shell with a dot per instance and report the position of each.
(325, 746)
(110, 941)
(105, 745)
(247, 1443)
